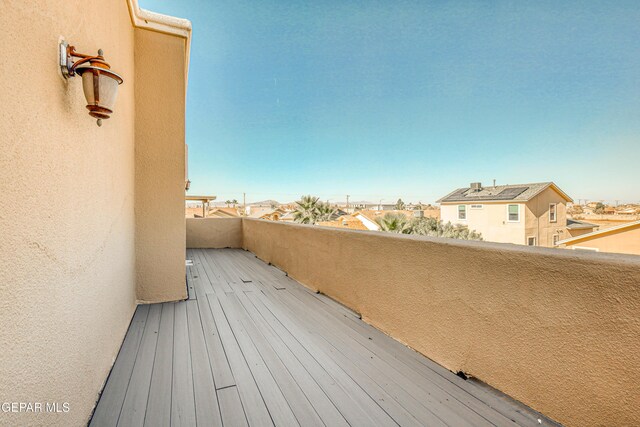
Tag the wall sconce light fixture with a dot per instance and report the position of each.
(99, 83)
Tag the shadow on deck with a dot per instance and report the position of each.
(253, 347)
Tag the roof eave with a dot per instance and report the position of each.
(455, 202)
(166, 24)
(597, 233)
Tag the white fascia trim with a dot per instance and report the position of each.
(171, 25)
(600, 232)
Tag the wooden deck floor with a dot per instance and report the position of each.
(253, 347)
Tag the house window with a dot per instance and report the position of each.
(555, 238)
(462, 211)
(531, 241)
(552, 212)
(514, 213)
(476, 206)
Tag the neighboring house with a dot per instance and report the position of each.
(355, 221)
(267, 213)
(205, 202)
(623, 239)
(628, 211)
(526, 214)
(367, 219)
(338, 214)
(356, 206)
(577, 228)
(431, 212)
(288, 216)
(345, 221)
(224, 213)
(252, 211)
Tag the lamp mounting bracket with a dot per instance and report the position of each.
(68, 65)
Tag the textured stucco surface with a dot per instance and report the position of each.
(67, 278)
(214, 233)
(490, 221)
(71, 205)
(626, 241)
(160, 165)
(537, 218)
(555, 329)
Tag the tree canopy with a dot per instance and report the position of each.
(599, 209)
(394, 223)
(310, 210)
(399, 223)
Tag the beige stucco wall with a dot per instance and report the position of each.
(623, 242)
(75, 193)
(214, 232)
(557, 330)
(160, 166)
(578, 232)
(67, 264)
(490, 221)
(537, 218)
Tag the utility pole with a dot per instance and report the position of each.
(347, 208)
(380, 205)
(244, 204)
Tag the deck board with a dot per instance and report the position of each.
(252, 347)
(158, 410)
(182, 394)
(206, 399)
(112, 398)
(135, 402)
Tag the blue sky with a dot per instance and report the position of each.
(411, 99)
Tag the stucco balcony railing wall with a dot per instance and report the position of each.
(557, 330)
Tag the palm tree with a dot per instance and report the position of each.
(228, 202)
(394, 223)
(325, 212)
(234, 202)
(307, 210)
(400, 205)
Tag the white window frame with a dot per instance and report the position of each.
(513, 204)
(555, 238)
(555, 212)
(535, 241)
(458, 212)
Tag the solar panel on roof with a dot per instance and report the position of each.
(509, 193)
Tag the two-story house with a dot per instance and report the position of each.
(526, 214)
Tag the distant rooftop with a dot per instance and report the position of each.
(516, 192)
(199, 198)
(573, 224)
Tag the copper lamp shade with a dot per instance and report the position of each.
(99, 83)
(100, 87)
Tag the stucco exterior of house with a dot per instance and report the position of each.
(524, 214)
(623, 239)
(113, 233)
